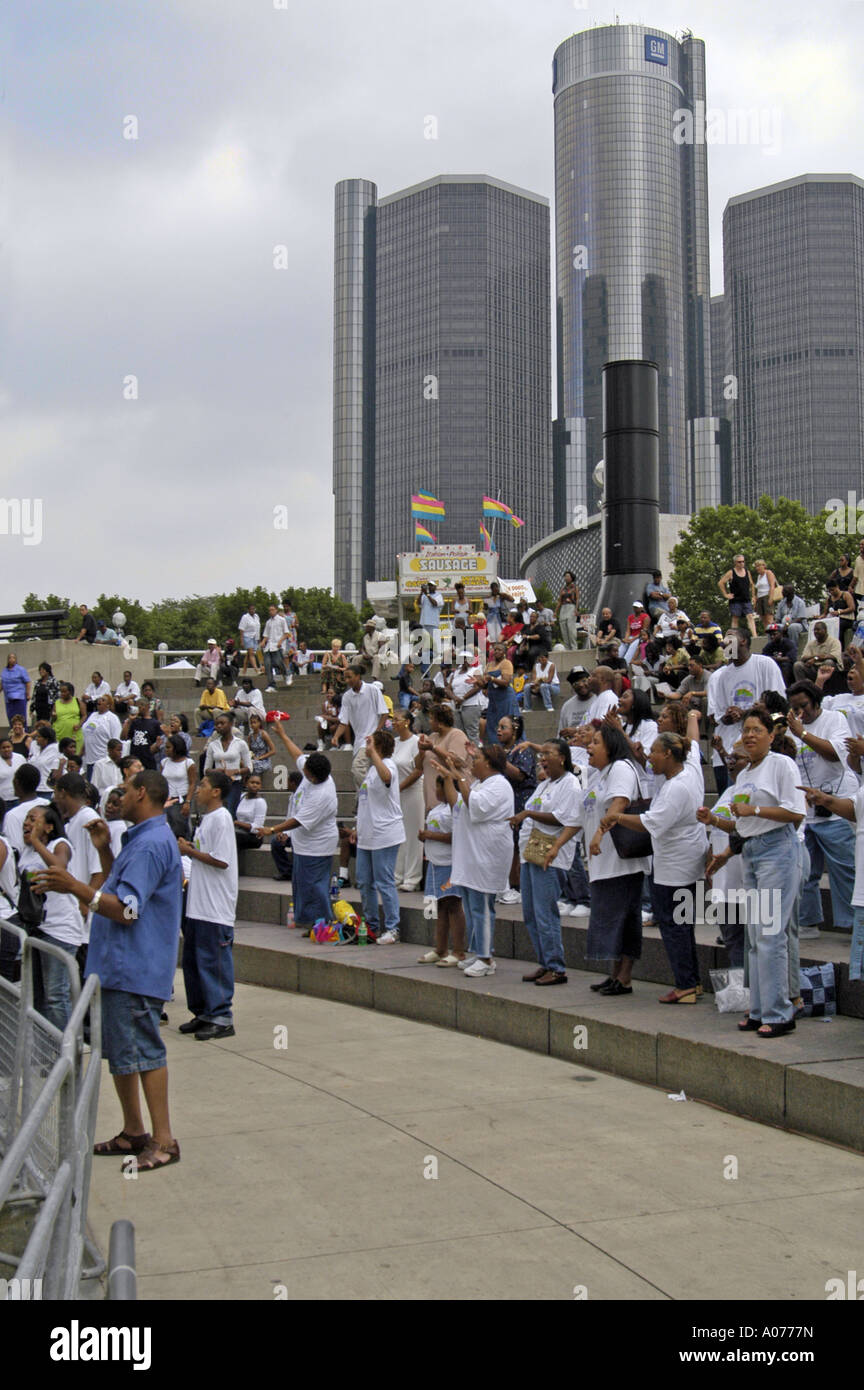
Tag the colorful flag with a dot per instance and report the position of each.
(422, 533)
(424, 504)
(516, 520)
(493, 508)
(489, 544)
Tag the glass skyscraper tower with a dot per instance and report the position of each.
(631, 213)
(442, 366)
(793, 258)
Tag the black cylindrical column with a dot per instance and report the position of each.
(631, 484)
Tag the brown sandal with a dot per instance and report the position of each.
(147, 1161)
(112, 1148)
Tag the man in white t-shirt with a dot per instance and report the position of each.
(431, 603)
(733, 689)
(107, 771)
(364, 709)
(468, 697)
(125, 694)
(248, 700)
(211, 910)
(820, 741)
(276, 635)
(603, 697)
(24, 784)
(98, 729)
(574, 712)
(249, 628)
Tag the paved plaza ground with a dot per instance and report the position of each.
(307, 1138)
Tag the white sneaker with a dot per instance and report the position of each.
(469, 960)
(563, 907)
(479, 967)
(269, 690)
(289, 681)
(510, 895)
(320, 745)
(388, 938)
(580, 910)
(647, 919)
(346, 748)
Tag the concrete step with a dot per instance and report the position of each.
(261, 899)
(811, 1081)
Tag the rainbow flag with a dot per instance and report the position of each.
(422, 533)
(424, 504)
(492, 507)
(488, 543)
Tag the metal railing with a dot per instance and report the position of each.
(49, 1091)
(46, 623)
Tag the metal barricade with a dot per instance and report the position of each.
(47, 1124)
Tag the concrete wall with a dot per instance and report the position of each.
(76, 661)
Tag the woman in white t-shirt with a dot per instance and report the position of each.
(44, 754)
(443, 898)
(314, 833)
(8, 906)
(768, 807)
(62, 925)
(615, 924)
(380, 832)
(482, 844)
(554, 807)
(680, 848)
(180, 773)
(409, 860)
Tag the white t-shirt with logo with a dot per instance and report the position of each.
(679, 841)
(816, 771)
(212, 894)
(562, 799)
(773, 782)
(741, 686)
(97, 730)
(853, 708)
(314, 805)
(379, 810)
(482, 846)
(362, 709)
(440, 821)
(732, 873)
(603, 787)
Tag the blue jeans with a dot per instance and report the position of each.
(856, 950)
(794, 923)
(548, 692)
(831, 842)
(311, 883)
(772, 865)
(234, 796)
(480, 921)
(52, 992)
(573, 883)
(283, 860)
(274, 662)
(376, 873)
(679, 939)
(540, 911)
(208, 970)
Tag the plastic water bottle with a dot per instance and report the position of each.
(362, 934)
(334, 886)
(858, 635)
(289, 915)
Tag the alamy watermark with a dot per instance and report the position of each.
(22, 516)
(845, 518)
(755, 125)
(755, 907)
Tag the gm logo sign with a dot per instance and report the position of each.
(656, 50)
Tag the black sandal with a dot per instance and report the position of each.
(749, 1025)
(777, 1030)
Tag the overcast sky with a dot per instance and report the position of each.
(154, 257)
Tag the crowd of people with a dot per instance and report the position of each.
(108, 817)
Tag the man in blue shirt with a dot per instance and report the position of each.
(134, 935)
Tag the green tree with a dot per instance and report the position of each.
(321, 617)
(795, 545)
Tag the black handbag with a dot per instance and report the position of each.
(31, 906)
(632, 844)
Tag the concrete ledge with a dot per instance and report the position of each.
(811, 1081)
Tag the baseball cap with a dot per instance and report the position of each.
(578, 673)
(637, 604)
(211, 642)
(773, 627)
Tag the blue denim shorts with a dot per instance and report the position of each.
(131, 1040)
(438, 883)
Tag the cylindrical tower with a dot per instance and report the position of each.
(631, 510)
(354, 385)
(631, 225)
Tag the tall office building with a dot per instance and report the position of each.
(441, 367)
(631, 215)
(793, 257)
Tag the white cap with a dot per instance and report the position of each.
(211, 642)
